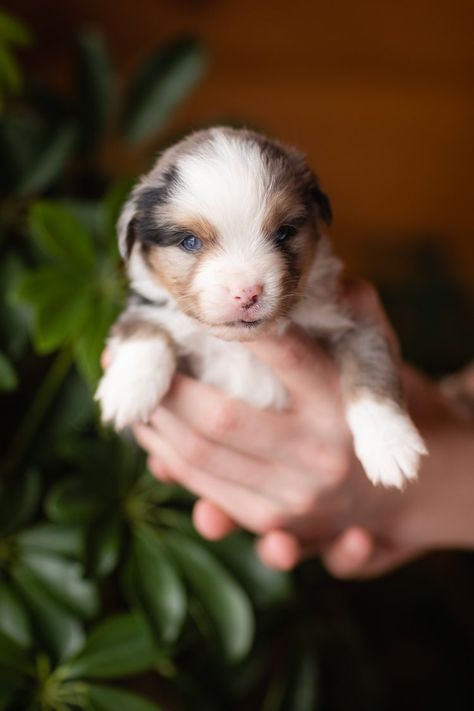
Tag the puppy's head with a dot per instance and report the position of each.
(227, 223)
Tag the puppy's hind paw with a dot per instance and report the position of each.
(386, 441)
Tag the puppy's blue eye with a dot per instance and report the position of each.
(284, 232)
(191, 243)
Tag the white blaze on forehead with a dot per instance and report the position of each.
(226, 181)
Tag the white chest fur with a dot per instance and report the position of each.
(226, 365)
(229, 365)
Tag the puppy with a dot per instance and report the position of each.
(222, 243)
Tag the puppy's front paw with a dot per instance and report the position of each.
(386, 441)
(137, 379)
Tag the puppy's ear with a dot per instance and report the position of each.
(126, 228)
(323, 203)
(138, 215)
(309, 185)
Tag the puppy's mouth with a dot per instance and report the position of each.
(240, 330)
(244, 323)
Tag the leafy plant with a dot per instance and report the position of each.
(102, 576)
(12, 34)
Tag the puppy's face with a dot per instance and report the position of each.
(227, 223)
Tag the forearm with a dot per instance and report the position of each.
(439, 509)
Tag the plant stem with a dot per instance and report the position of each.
(47, 391)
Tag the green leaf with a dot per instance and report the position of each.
(13, 657)
(119, 646)
(59, 631)
(19, 499)
(10, 75)
(102, 698)
(50, 163)
(24, 139)
(69, 501)
(8, 378)
(305, 695)
(103, 546)
(61, 539)
(14, 622)
(8, 691)
(105, 698)
(297, 688)
(61, 305)
(63, 581)
(95, 86)
(226, 604)
(111, 207)
(15, 318)
(100, 466)
(91, 342)
(160, 86)
(60, 234)
(265, 586)
(87, 212)
(71, 416)
(157, 586)
(128, 465)
(13, 31)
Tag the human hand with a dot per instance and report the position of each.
(290, 477)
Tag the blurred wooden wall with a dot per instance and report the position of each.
(378, 93)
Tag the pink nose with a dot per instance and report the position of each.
(247, 295)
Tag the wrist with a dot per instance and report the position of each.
(436, 511)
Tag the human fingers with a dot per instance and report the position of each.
(356, 554)
(293, 489)
(279, 549)
(248, 508)
(346, 556)
(210, 521)
(268, 436)
(230, 422)
(300, 363)
(159, 472)
(384, 559)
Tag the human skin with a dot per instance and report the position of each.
(292, 477)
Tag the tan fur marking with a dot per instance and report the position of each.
(202, 228)
(309, 252)
(171, 266)
(281, 207)
(131, 327)
(174, 269)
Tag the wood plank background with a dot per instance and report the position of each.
(378, 93)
